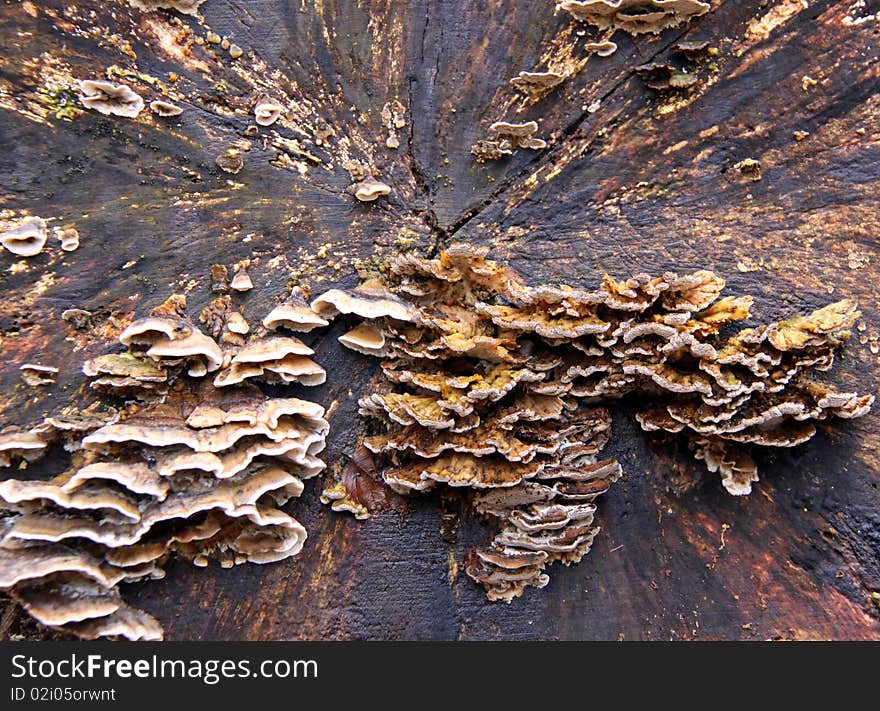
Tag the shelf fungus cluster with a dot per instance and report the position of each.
(536, 85)
(110, 99)
(634, 16)
(503, 138)
(193, 460)
(186, 7)
(496, 386)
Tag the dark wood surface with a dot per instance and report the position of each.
(643, 183)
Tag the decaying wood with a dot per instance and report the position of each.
(633, 179)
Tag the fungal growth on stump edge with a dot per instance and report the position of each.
(536, 85)
(503, 138)
(493, 385)
(26, 237)
(190, 460)
(110, 99)
(187, 7)
(634, 16)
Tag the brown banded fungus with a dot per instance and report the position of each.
(110, 99)
(267, 111)
(634, 16)
(230, 161)
(272, 358)
(503, 138)
(241, 280)
(494, 386)
(294, 314)
(18, 447)
(167, 334)
(36, 375)
(370, 190)
(68, 237)
(536, 85)
(664, 76)
(199, 473)
(604, 49)
(26, 238)
(165, 109)
(186, 7)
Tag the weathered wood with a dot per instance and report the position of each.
(643, 183)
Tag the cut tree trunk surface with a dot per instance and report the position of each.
(633, 180)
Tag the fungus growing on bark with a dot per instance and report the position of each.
(504, 137)
(241, 280)
(21, 446)
(536, 85)
(230, 161)
(272, 358)
(364, 339)
(68, 238)
(110, 99)
(294, 314)
(663, 76)
(323, 131)
(78, 318)
(486, 149)
(370, 300)
(168, 334)
(124, 371)
(187, 7)
(370, 189)
(634, 16)
(749, 167)
(604, 49)
(26, 238)
(200, 473)
(491, 385)
(267, 111)
(219, 278)
(36, 375)
(393, 116)
(165, 109)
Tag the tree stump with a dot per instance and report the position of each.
(764, 170)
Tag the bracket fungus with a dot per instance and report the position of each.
(370, 190)
(230, 161)
(536, 85)
(68, 237)
(493, 385)
(604, 48)
(267, 111)
(110, 99)
(634, 16)
(393, 116)
(664, 76)
(165, 109)
(186, 469)
(241, 280)
(503, 138)
(294, 314)
(21, 446)
(186, 7)
(750, 168)
(36, 375)
(26, 238)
